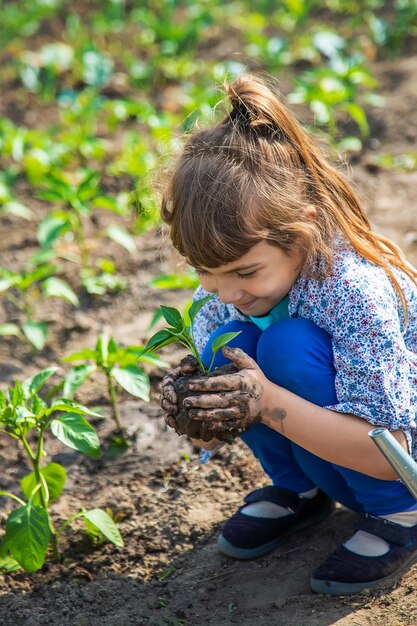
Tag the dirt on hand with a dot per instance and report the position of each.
(196, 429)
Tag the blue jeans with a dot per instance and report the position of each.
(297, 355)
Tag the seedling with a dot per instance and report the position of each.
(25, 289)
(119, 365)
(80, 196)
(26, 417)
(180, 330)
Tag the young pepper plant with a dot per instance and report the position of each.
(25, 289)
(180, 330)
(26, 417)
(120, 367)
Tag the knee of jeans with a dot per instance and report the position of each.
(292, 345)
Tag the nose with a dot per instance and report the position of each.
(226, 289)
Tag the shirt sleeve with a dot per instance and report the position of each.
(372, 362)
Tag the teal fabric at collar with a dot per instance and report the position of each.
(279, 312)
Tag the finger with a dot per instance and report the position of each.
(239, 357)
(170, 409)
(170, 421)
(189, 365)
(230, 382)
(231, 413)
(215, 400)
(172, 376)
(169, 394)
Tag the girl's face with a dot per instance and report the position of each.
(256, 282)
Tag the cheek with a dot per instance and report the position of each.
(207, 283)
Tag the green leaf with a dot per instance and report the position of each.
(357, 113)
(18, 209)
(87, 353)
(104, 524)
(74, 431)
(51, 228)
(36, 333)
(27, 535)
(197, 305)
(55, 477)
(172, 316)
(160, 339)
(8, 564)
(175, 281)
(133, 380)
(7, 330)
(75, 378)
(36, 382)
(55, 287)
(122, 237)
(222, 340)
(67, 405)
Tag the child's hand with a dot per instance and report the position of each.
(168, 400)
(234, 400)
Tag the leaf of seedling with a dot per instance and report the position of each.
(98, 521)
(173, 317)
(51, 228)
(133, 380)
(175, 281)
(117, 447)
(70, 406)
(34, 383)
(85, 354)
(36, 333)
(55, 287)
(197, 305)
(9, 330)
(74, 431)
(160, 339)
(55, 477)
(122, 237)
(222, 340)
(75, 378)
(8, 564)
(27, 535)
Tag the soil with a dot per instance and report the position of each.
(169, 573)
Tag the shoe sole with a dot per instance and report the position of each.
(334, 588)
(253, 553)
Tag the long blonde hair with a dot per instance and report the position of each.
(250, 177)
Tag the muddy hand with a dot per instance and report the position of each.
(232, 400)
(168, 400)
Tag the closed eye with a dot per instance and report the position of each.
(248, 274)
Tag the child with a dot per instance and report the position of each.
(327, 311)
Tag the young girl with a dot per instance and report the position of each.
(327, 311)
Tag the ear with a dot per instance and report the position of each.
(310, 212)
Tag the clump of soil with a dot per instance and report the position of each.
(194, 428)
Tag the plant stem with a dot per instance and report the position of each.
(40, 480)
(67, 523)
(113, 400)
(11, 495)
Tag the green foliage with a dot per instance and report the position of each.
(120, 367)
(26, 289)
(27, 417)
(180, 330)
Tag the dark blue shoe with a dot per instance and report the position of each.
(345, 572)
(248, 537)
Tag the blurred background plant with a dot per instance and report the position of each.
(97, 95)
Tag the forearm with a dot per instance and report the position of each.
(336, 437)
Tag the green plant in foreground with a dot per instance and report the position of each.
(180, 330)
(26, 417)
(120, 367)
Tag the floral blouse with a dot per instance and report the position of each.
(374, 351)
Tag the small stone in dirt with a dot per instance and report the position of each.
(278, 604)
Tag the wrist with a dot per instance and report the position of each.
(273, 411)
